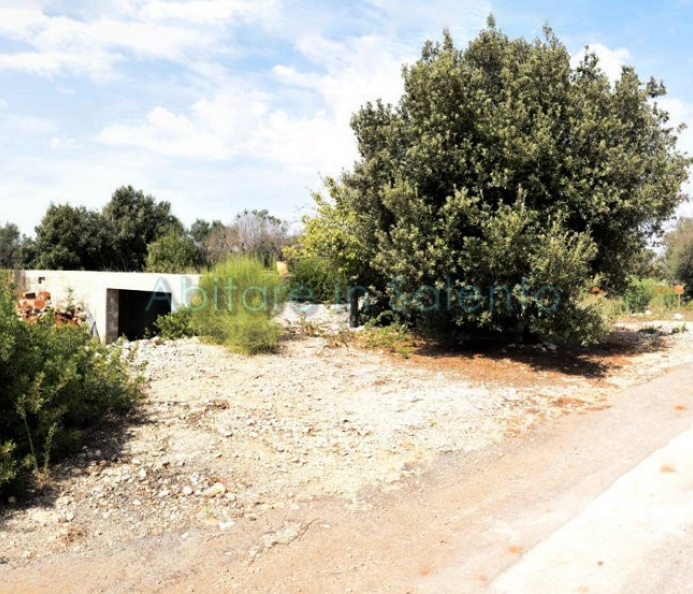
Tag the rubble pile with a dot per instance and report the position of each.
(34, 306)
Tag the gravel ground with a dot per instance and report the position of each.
(223, 437)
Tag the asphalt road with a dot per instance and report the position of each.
(612, 508)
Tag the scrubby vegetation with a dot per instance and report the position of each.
(235, 303)
(175, 325)
(317, 281)
(55, 383)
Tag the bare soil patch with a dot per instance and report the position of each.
(222, 439)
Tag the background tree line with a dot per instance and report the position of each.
(133, 233)
(502, 166)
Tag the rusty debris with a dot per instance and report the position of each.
(34, 306)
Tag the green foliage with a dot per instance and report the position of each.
(639, 294)
(174, 253)
(175, 325)
(10, 246)
(502, 185)
(74, 238)
(55, 382)
(235, 305)
(134, 221)
(394, 339)
(333, 233)
(665, 297)
(71, 238)
(678, 258)
(316, 281)
(200, 230)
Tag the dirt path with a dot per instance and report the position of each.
(421, 507)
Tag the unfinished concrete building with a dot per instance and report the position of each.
(119, 303)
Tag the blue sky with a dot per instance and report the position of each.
(221, 105)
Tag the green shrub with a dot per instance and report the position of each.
(639, 294)
(175, 325)
(55, 382)
(235, 304)
(316, 281)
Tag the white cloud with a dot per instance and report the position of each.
(63, 143)
(430, 18)
(22, 126)
(610, 61)
(89, 178)
(59, 45)
(96, 64)
(213, 12)
(213, 129)
(236, 119)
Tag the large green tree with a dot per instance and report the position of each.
(70, 238)
(10, 244)
(501, 183)
(134, 221)
(115, 238)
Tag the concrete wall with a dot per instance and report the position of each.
(98, 291)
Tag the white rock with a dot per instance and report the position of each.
(214, 490)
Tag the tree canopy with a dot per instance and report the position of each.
(254, 233)
(134, 221)
(70, 238)
(115, 238)
(502, 182)
(134, 232)
(10, 245)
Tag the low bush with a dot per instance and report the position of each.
(55, 383)
(235, 303)
(639, 294)
(175, 325)
(394, 339)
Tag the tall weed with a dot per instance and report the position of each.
(235, 303)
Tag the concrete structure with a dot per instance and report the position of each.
(120, 303)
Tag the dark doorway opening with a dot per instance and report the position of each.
(138, 310)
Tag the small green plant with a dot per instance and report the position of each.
(343, 337)
(395, 339)
(175, 325)
(651, 329)
(308, 327)
(665, 297)
(679, 329)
